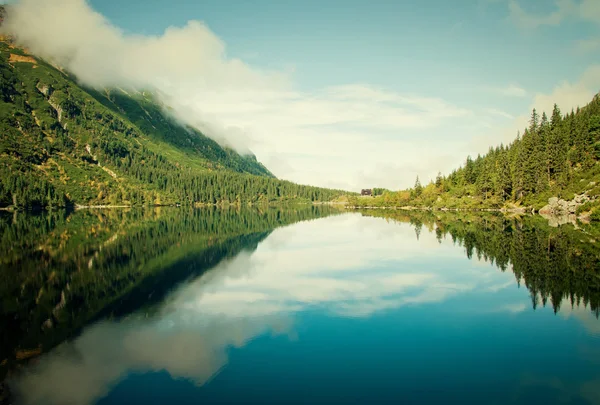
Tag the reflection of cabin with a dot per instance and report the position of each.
(366, 191)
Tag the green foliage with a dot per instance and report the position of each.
(588, 206)
(379, 191)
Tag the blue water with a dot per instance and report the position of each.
(347, 309)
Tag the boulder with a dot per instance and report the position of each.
(48, 324)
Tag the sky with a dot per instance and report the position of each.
(350, 94)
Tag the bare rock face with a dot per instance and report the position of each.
(44, 89)
(559, 207)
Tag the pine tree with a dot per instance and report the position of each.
(418, 189)
(534, 121)
(543, 169)
(470, 176)
(556, 118)
(503, 183)
(438, 179)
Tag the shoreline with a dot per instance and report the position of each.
(76, 207)
(444, 209)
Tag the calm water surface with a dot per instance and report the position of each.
(255, 307)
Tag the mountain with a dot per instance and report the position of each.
(64, 144)
(553, 167)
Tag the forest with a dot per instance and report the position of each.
(557, 155)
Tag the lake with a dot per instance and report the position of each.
(297, 305)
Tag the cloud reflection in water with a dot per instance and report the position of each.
(349, 266)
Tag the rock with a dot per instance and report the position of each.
(60, 305)
(559, 211)
(557, 220)
(572, 207)
(44, 89)
(48, 324)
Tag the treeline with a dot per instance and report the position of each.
(63, 145)
(189, 186)
(556, 265)
(555, 156)
(59, 270)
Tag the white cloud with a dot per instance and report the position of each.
(583, 313)
(566, 95)
(499, 113)
(570, 95)
(511, 90)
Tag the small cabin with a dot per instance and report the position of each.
(366, 191)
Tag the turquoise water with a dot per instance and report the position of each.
(346, 309)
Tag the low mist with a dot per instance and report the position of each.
(181, 63)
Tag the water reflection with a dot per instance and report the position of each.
(341, 267)
(60, 271)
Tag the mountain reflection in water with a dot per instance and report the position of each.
(375, 292)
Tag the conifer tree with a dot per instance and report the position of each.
(418, 189)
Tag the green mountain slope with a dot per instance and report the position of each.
(63, 144)
(183, 144)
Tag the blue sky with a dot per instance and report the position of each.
(374, 93)
(431, 47)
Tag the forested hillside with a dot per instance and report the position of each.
(62, 144)
(555, 156)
